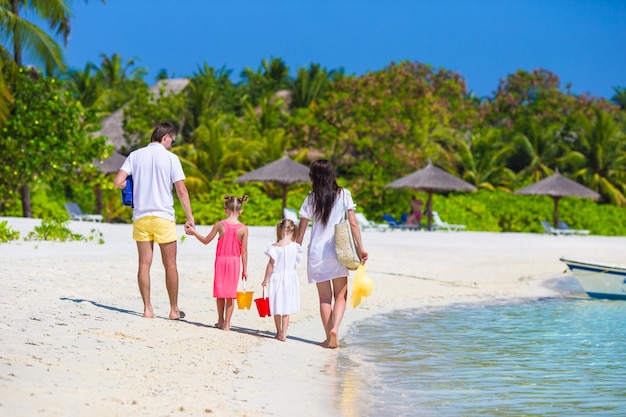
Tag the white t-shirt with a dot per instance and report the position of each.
(154, 170)
(323, 264)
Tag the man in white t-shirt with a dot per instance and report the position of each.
(154, 170)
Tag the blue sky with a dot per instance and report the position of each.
(583, 42)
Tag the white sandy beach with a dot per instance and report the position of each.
(73, 342)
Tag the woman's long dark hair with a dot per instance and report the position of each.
(325, 189)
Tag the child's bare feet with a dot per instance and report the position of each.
(219, 324)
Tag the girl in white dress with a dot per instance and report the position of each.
(280, 274)
(326, 206)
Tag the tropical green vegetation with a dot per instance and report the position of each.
(7, 233)
(374, 127)
(55, 229)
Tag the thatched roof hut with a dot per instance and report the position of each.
(112, 126)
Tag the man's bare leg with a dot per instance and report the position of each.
(168, 254)
(145, 251)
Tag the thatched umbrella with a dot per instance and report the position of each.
(432, 180)
(283, 172)
(558, 186)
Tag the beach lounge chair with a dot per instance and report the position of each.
(368, 224)
(440, 224)
(563, 226)
(394, 224)
(290, 214)
(76, 213)
(547, 228)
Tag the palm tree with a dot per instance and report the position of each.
(85, 85)
(273, 75)
(210, 92)
(114, 71)
(309, 86)
(6, 98)
(483, 157)
(31, 41)
(602, 154)
(539, 147)
(619, 97)
(118, 80)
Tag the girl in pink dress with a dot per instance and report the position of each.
(231, 257)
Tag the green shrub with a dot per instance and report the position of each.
(7, 233)
(53, 229)
(489, 211)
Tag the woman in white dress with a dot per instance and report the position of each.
(325, 206)
(280, 274)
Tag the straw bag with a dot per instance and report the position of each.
(345, 246)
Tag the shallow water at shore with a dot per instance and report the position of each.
(551, 357)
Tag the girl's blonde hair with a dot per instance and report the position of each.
(284, 228)
(233, 203)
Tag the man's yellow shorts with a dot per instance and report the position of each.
(152, 228)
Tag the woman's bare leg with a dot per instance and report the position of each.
(325, 293)
(340, 290)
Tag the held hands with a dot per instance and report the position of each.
(190, 229)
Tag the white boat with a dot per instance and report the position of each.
(599, 280)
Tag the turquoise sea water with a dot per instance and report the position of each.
(552, 357)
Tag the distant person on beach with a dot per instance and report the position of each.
(231, 258)
(416, 212)
(325, 206)
(154, 170)
(280, 275)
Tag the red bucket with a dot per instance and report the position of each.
(263, 305)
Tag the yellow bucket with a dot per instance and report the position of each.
(244, 299)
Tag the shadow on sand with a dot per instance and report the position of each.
(244, 330)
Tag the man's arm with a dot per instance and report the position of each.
(120, 179)
(183, 197)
